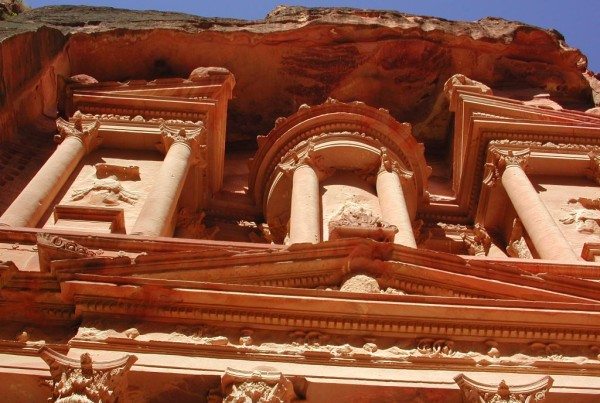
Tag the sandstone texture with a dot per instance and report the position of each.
(300, 56)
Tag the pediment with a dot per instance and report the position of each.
(389, 269)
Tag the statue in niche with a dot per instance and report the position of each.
(106, 187)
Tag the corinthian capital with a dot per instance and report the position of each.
(389, 164)
(502, 159)
(84, 381)
(86, 132)
(305, 154)
(254, 386)
(194, 138)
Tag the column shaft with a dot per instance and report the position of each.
(31, 204)
(305, 214)
(547, 238)
(393, 207)
(156, 216)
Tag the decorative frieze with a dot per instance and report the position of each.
(86, 381)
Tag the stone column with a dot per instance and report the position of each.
(392, 201)
(76, 139)
(545, 235)
(157, 215)
(305, 214)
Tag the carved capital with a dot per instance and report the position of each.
(86, 381)
(305, 154)
(478, 241)
(194, 138)
(87, 133)
(476, 392)
(389, 164)
(502, 159)
(255, 386)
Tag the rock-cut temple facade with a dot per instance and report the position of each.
(328, 205)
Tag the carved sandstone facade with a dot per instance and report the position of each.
(348, 254)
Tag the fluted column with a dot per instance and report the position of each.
(545, 235)
(305, 214)
(157, 214)
(76, 139)
(392, 201)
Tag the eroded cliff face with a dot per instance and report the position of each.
(294, 56)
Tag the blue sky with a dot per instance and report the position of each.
(577, 20)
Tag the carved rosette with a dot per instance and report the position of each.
(87, 382)
(476, 392)
(86, 132)
(254, 386)
(502, 159)
(194, 138)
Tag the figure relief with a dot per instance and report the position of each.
(84, 381)
(106, 187)
(585, 214)
(476, 392)
(478, 241)
(353, 219)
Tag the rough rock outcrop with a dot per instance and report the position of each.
(294, 56)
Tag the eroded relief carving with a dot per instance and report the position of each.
(105, 188)
(585, 214)
(517, 246)
(85, 381)
(191, 225)
(256, 386)
(478, 241)
(476, 392)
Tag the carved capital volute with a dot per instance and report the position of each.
(476, 392)
(305, 154)
(501, 159)
(389, 164)
(86, 132)
(194, 139)
(255, 386)
(85, 380)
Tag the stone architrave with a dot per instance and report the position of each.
(392, 201)
(256, 387)
(476, 392)
(545, 235)
(183, 149)
(85, 381)
(76, 139)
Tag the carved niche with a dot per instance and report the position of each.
(87, 382)
(476, 392)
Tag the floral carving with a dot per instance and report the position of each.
(86, 132)
(476, 392)
(389, 164)
(436, 348)
(87, 382)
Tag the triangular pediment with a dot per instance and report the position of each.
(397, 271)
